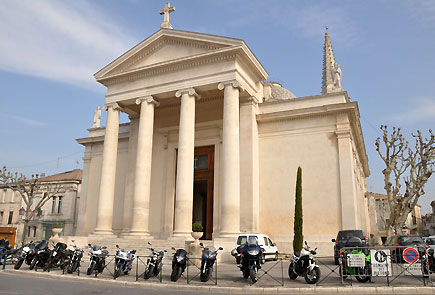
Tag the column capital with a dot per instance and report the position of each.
(148, 99)
(189, 91)
(234, 83)
(343, 133)
(112, 105)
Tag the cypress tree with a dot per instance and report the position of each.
(298, 236)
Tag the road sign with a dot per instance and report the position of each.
(410, 255)
(381, 262)
(356, 260)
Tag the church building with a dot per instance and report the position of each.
(211, 140)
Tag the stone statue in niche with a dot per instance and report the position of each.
(97, 117)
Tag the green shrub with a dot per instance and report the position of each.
(298, 219)
(196, 227)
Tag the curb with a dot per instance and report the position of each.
(233, 290)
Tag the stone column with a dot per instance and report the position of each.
(349, 212)
(142, 182)
(230, 161)
(186, 148)
(108, 171)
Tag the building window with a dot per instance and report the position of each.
(4, 196)
(11, 215)
(59, 207)
(53, 206)
(1, 216)
(28, 231)
(34, 231)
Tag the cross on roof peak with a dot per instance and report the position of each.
(166, 11)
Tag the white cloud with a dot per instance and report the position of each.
(423, 110)
(24, 120)
(58, 40)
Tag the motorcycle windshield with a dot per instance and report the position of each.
(41, 245)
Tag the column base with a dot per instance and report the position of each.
(138, 235)
(103, 233)
(182, 237)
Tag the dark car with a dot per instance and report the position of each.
(406, 241)
(345, 239)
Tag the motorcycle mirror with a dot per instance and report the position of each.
(333, 240)
(220, 248)
(306, 243)
(165, 251)
(89, 245)
(104, 247)
(201, 244)
(149, 243)
(72, 241)
(117, 246)
(173, 248)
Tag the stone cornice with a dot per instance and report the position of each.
(234, 83)
(190, 91)
(148, 99)
(168, 66)
(350, 108)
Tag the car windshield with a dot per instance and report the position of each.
(430, 241)
(243, 240)
(405, 241)
(347, 234)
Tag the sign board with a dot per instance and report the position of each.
(410, 255)
(356, 260)
(381, 262)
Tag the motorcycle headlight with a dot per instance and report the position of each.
(253, 252)
(234, 252)
(180, 258)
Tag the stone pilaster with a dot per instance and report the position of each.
(186, 146)
(108, 171)
(142, 183)
(230, 161)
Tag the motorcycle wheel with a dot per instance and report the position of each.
(117, 271)
(19, 263)
(176, 273)
(245, 274)
(33, 263)
(204, 277)
(291, 273)
(313, 276)
(91, 268)
(253, 273)
(362, 279)
(148, 272)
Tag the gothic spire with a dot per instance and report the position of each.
(331, 79)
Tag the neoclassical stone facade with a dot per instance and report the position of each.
(210, 141)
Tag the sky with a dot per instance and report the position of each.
(49, 51)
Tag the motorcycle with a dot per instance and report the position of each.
(250, 255)
(430, 256)
(42, 253)
(25, 254)
(58, 257)
(154, 263)
(304, 264)
(74, 262)
(208, 258)
(97, 261)
(362, 274)
(123, 261)
(179, 263)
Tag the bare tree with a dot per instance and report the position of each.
(412, 166)
(32, 191)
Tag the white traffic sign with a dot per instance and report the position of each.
(356, 260)
(381, 262)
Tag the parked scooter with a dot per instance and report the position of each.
(304, 264)
(208, 258)
(42, 253)
(179, 263)
(123, 261)
(362, 274)
(250, 255)
(25, 254)
(74, 262)
(58, 256)
(154, 263)
(97, 261)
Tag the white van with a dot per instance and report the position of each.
(270, 249)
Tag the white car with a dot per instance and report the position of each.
(270, 249)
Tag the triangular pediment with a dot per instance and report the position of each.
(166, 46)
